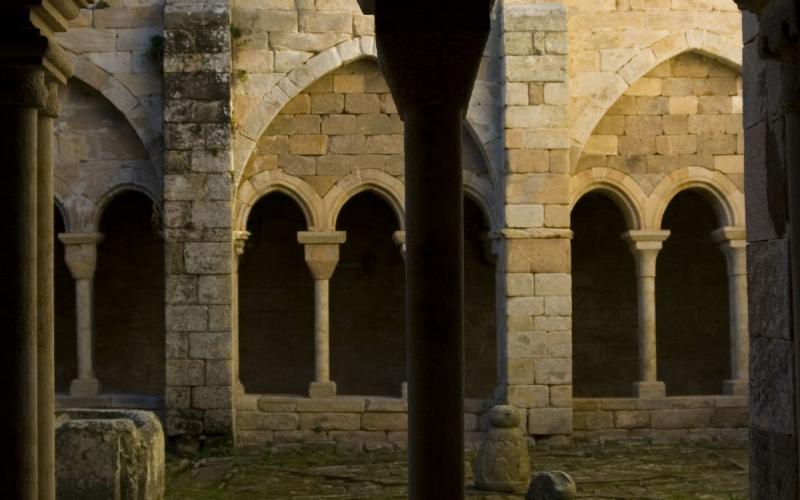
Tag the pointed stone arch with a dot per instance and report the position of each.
(290, 86)
(704, 42)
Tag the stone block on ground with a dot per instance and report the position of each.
(109, 455)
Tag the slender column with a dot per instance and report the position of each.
(81, 257)
(322, 256)
(734, 245)
(45, 303)
(645, 246)
(21, 93)
(239, 243)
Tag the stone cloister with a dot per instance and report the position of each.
(217, 209)
(229, 199)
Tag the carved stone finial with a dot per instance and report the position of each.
(503, 463)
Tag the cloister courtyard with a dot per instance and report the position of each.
(644, 470)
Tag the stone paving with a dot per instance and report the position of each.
(676, 471)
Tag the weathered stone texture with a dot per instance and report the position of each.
(200, 245)
(110, 455)
(685, 112)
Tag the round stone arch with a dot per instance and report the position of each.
(482, 191)
(61, 199)
(618, 186)
(109, 196)
(722, 193)
(123, 100)
(290, 86)
(58, 204)
(703, 42)
(254, 188)
(384, 185)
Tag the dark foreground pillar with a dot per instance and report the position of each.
(20, 96)
(430, 53)
(435, 301)
(771, 76)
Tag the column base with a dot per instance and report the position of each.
(84, 387)
(649, 390)
(238, 387)
(736, 387)
(322, 390)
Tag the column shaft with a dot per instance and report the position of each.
(645, 246)
(322, 370)
(18, 130)
(45, 306)
(435, 301)
(84, 299)
(740, 341)
(648, 371)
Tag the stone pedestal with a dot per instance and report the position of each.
(503, 463)
(81, 257)
(644, 246)
(322, 256)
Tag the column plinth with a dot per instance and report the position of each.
(645, 245)
(322, 256)
(81, 257)
(732, 241)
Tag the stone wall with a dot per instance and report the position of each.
(117, 51)
(129, 318)
(355, 419)
(692, 309)
(615, 43)
(197, 218)
(605, 317)
(276, 302)
(685, 112)
(345, 122)
(688, 417)
(535, 297)
(97, 154)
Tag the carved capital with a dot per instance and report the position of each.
(645, 246)
(81, 253)
(321, 251)
(24, 87)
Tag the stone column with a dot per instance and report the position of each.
(645, 246)
(322, 255)
(81, 255)
(21, 93)
(28, 58)
(45, 302)
(734, 245)
(239, 242)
